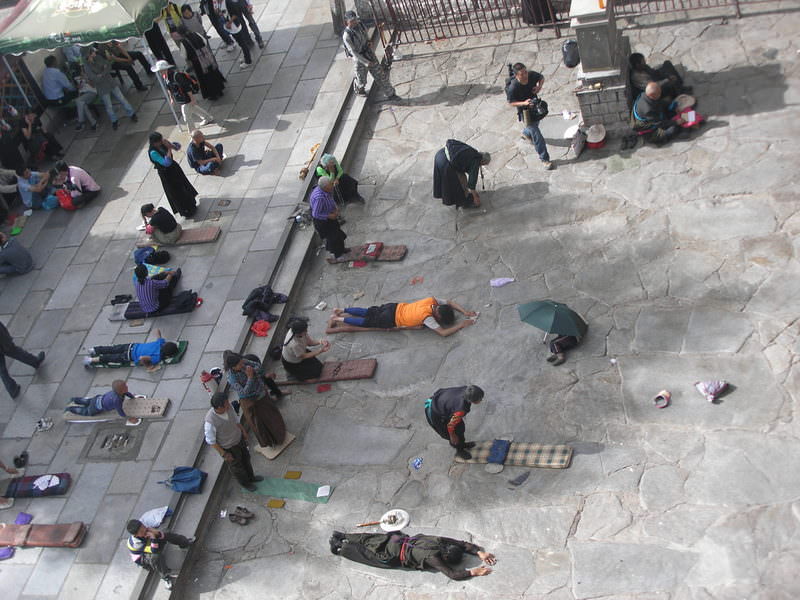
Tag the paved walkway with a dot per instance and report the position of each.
(270, 116)
(684, 259)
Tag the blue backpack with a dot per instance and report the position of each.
(186, 479)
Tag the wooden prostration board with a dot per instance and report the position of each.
(194, 235)
(363, 368)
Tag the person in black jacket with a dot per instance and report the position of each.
(445, 411)
(160, 224)
(455, 174)
(10, 349)
(396, 550)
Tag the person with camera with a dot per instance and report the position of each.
(521, 93)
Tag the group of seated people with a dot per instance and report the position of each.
(657, 111)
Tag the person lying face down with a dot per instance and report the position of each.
(428, 312)
(396, 550)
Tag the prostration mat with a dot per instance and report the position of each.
(373, 251)
(69, 535)
(136, 408)
(182, 345)
(194, 235)
(291, 489)
(182, 302)
(362, 368)
(36, 486)
(524, 454)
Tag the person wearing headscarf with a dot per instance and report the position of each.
(345, 187)
(204, 65)
(396, 550)
(246, 377)
(180, 193)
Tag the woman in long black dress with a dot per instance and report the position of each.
(180, 193)
(204, 65)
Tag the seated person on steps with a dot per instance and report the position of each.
(428, 312)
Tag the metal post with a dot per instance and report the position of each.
(16, 81)
(152, 59)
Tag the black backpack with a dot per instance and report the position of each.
(569, 51)
(180, 85)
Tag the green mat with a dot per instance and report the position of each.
(182, 345)
(291, 489)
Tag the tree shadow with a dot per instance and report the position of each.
(453, 95)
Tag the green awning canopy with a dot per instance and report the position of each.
(31, 25)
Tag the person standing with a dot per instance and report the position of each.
(15, 259)
(246, 377)
(146, 546)
(215, 10)
(519, 94)
(455, 174)
(297, 356)
(325, 214)
(182, 88)
(180, 193)
(243, 10)
(359, 49)
(160, 224)
(158, 45)
(224, 433)
(204, 65)
(445, 411)
(98, 70)
(10, 349)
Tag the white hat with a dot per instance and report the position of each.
(596, 133)
(161, 65)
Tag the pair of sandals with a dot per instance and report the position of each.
(240, 516)
(557, 359)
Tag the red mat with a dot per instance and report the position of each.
(46, 536)
(372, 251)
(340, 371)
(195, 235)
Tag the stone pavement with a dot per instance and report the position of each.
(269, 117)
(684, 260)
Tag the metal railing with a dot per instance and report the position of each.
(632, 8)
(409, 21)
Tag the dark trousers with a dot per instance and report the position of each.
(156, 562)
(165, 294)
(243, 39)
(253, 25)
(130, 70)
(117, 353)
(241, 467)
(330, 231)
(219, 26)
(22, 356)
(84, 198)
(158, 45)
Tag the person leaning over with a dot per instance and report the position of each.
(445, 411)
(146, 546)
(161, 224)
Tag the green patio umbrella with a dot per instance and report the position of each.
(31, 25)
(552, 317)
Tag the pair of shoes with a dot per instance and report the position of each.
(548, 166)
(15, 392)
(115, 125)
(39, 359)
(362, 92)
(250, 488)
(469, 445)
(560, 359)
(256, 479)
(134, 118)
(461, 453)
(43, 424)
(238, 519)
(241, 511)
(244, 65)
(551, 358)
